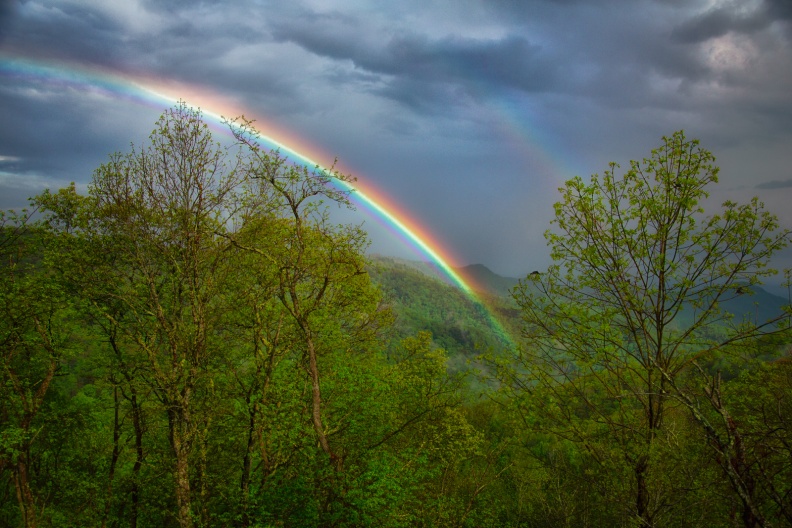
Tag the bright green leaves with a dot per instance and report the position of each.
(36, 340)
(635, 296)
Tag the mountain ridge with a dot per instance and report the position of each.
(754, 304)
(481, 277)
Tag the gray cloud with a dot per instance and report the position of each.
(779, 9)
(6, 7)
(731, 18)
(467, 113)
(717, 23)
(415, 67)
(775, 184)
(81, 33)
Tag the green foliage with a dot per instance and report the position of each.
(210, 348)
(192, 343)
(606, 342)
(761, 406)
(37, 330)
(457, 324)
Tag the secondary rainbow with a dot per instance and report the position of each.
(155, 92)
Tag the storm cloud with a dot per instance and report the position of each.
(468, 115)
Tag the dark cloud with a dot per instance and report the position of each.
(332, 35)
(176, 6)
(510, 62)
(731, 18)
(779, 9)
(775, 184)
(67, 31)
(418, 70)
(487, 104)
(533, 7)
(6, 7)
(616, 53)
(717, 23)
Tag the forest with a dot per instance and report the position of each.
(195, 343)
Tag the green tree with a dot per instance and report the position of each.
(320, 266)
(632, 300)
(89, 263)
(156, 210)
(36, 339)
(746, 423)
(221, 289)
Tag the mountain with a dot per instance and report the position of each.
(755, 304)
(481, 277)
(466, 326)
(478, 276)
(461, 324)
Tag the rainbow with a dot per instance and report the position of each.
(153, 92)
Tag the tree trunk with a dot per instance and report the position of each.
(180, 447)
(642, 493)
(137, 423)
(316, 398)
(245, 482)
(27, 504)
(113, 457)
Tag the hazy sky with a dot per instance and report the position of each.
(467, 114)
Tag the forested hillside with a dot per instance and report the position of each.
(193, 343)
(465, 326)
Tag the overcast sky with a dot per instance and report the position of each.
(468, 114)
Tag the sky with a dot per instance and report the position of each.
(468, 115)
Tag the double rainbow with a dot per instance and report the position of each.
(154, 92)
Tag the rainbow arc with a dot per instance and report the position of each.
(154, 92)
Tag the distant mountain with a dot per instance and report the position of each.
(755, 304)
(422, 301)
(425, 268)
(478, 276)
(481, 277)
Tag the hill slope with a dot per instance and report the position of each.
(422, 302)
(487, 280)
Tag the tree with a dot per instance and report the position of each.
(320, 266)
(746, 424)
(155, 213)
(634, 298)
(214, 276)
(35, 341)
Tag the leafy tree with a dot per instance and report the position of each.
(746, 423)
(242, 358)
(762, 421)
(150, 221)
(632, 301)
(91, 264)
(320, 267)
(36, 339)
